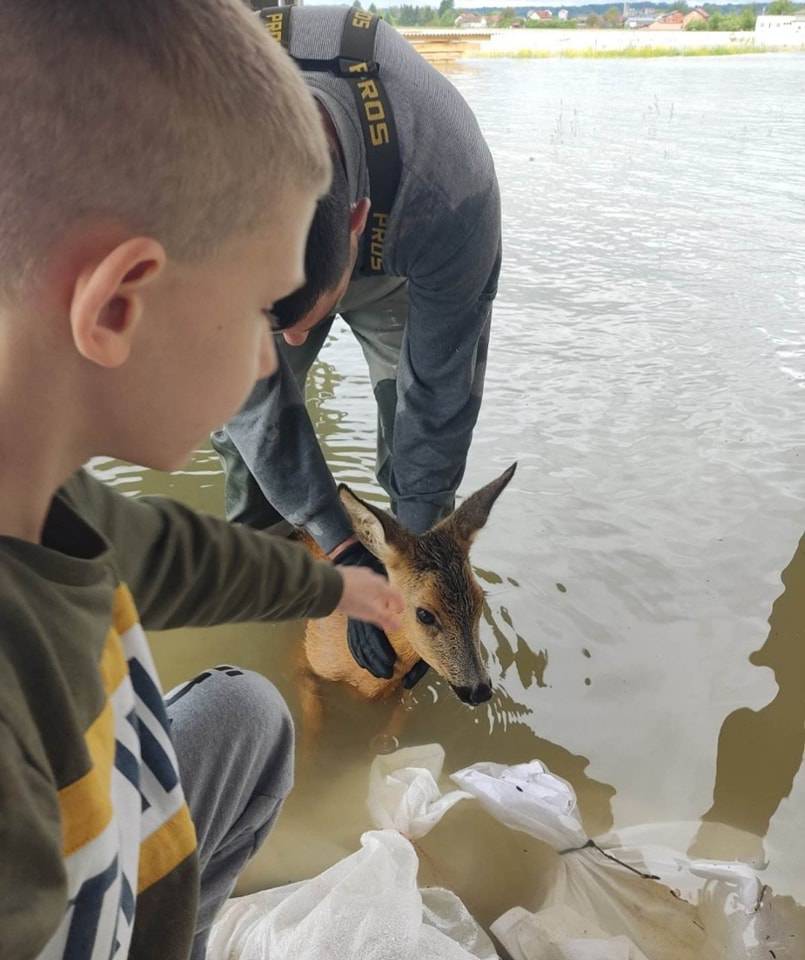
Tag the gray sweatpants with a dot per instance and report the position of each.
(234, 739)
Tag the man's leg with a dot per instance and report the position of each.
(244, 501)
(379, 326)
(377, 314)
(234, 740)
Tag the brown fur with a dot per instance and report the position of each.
(433, 572)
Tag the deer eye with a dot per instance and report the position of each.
(425, 616)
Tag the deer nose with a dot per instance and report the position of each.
(479, 693)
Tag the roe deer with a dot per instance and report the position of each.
(443, 600)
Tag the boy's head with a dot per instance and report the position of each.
(159, 167)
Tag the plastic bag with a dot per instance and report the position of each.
(614, 902)
(367, 905)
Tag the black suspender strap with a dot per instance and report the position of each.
(356, 64)
(379, 130)
(278, 22)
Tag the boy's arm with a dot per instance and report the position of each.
(33, 887)
(188, 569)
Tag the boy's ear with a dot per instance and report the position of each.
(106, 304)
(377, 530)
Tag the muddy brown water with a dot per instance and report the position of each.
(645, 570)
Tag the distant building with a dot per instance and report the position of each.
(540, 15)
(787, 31)
(697, 15)
(675, 20)
(471, 20)
(638, 20)
(562, 15)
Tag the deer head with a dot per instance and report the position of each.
(443, 599)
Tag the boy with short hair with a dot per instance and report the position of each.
(159, 168)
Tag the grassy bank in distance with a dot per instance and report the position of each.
(723, 50)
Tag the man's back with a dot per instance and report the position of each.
(446, 164)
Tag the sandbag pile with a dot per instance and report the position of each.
(611, 900)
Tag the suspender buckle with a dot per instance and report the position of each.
(357, 69)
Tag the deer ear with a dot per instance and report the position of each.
(377, 530)
(468, 519)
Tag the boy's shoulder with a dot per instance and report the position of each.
(25, 660)
(54, 618)
(87, 495)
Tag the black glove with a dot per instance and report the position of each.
(415, 674)
(367, 643)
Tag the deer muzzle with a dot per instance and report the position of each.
(478, 693)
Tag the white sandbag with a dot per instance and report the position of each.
(367, 905)
(404, 794)
(648, 900)
(559, 933)
(444, 911)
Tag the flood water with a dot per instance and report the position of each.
(645, 619)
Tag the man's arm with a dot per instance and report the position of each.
(184, 568)
(277, 442)
(441, 375)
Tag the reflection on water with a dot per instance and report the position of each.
(752, 779)
(646, 371)
(530, 664)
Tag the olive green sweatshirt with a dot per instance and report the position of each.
(97, 848)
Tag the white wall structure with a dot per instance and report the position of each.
(556, 41)
(786, 31)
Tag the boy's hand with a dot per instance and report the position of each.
(371, 598)
(372, 606)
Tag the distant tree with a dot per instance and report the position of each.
(506, 18)
(726, 22)
(612, 18)
(594, 22)
(372, 8)
(445, 6)
(682, 6)
(357, 5)
(779, 8)
(408, 15)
